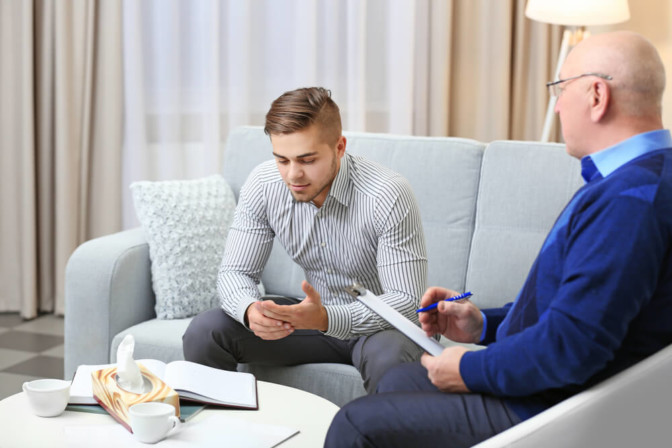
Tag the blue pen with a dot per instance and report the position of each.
(450, 299)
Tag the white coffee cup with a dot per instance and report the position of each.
(152, 422)
(47, 397)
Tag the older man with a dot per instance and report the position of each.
(598, 298)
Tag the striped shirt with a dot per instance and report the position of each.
(368, 230)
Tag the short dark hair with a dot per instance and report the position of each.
(298, 109)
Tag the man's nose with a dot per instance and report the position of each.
(295, 171)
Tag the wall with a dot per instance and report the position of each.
(653, 19)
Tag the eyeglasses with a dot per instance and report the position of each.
(555, 89)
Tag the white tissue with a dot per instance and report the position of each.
(128, 372)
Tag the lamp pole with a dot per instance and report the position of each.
(574, 15)
(570, 37)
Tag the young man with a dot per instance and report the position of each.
(597, 300)
(341, 218)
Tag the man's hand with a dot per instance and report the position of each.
(264, 327)
(444, 370)
(459, 321)
(310, 314)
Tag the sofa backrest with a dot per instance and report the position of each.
(523, 188)
(444, 175)
(485, 211)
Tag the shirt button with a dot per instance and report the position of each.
(323, 244)
(329, 271)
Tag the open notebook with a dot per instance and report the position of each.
(191, 381)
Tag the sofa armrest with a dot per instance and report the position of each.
(108, 288)
(629, 409)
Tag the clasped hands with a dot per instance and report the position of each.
(271, 321)
(459, 321)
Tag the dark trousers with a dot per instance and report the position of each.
(215, 339)
(409, 411)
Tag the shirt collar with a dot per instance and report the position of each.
(608, 160)
(341, 186)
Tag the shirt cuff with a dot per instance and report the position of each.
(484, 332)
(243, 305)
(340, 321)
(495, 316)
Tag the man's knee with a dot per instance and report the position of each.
(405, 378)
(377, 353)
(390, 347)
(343, 432)
(205, 334)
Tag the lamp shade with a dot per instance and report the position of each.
(578, 12)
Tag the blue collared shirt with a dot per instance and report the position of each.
(604, 162)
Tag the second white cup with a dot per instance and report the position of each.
(152, 422)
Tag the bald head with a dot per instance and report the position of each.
(633, 63)
(624, 100)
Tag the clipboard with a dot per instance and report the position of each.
(396, 319)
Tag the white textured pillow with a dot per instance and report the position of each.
(186, 223)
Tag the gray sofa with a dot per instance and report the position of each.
(486, 209)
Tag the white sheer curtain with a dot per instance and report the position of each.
(194, 69)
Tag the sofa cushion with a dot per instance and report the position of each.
(338, 383)
(154, 339)
(523, 188)
(186, 223)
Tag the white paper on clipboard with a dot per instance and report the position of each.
(396, 319)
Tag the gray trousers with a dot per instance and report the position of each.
(215, 339)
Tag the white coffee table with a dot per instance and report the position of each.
(278, 405)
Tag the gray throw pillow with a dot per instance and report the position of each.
(186, 223)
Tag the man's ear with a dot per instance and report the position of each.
(600, 97)
(340, 146)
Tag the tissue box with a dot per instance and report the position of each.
(116, 401)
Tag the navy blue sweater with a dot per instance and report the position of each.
(598, 298)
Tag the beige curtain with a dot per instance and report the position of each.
(497, 64)
(60, 142)
(481, 75)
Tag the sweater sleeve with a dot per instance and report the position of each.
(613, 251)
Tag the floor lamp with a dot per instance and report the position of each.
(574, 16)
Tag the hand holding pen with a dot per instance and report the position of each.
(449, 299)
(460, 320)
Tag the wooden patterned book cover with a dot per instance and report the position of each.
(116, 401)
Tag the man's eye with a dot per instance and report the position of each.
(282, 162)
(307, 162)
